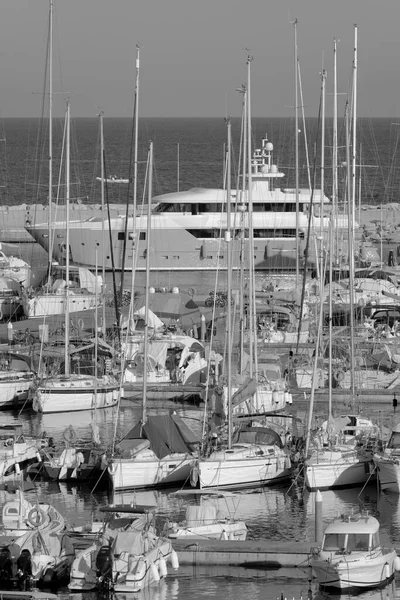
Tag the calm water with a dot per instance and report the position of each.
(187, 153)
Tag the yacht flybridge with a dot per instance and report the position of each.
(189, 228)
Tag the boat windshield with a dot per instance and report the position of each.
(351, 542)
(394, 441)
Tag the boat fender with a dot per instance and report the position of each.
(387, 571)
(81, 324)
(397, 563)
(69, 435)
(174, 560)
(112, 468)
(154, 572)
(36, 517)
(339, 375)
(9, 442)
(162, 567)
(194, 476)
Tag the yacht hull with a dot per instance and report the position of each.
(126, 473)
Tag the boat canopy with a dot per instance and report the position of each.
(167, 434)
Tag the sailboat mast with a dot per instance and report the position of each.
(296, 125)
(228, 237)
(50, 192)
(103, 236)
(253, 332)
(147, 285)
(67, 198)
(135, 165)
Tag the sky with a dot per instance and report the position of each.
(193, 56)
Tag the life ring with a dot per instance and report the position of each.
(9, 442)
(69, 435)
(339, 375)
(194, 476)
(36, 517)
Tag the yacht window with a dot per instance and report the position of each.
(142, 235)
(334, 541)
(121, 235)
(394, 441)
(358, 541)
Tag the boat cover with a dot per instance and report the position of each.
(246, 390)
(133, 542)
(167, 434)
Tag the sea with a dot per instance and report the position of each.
(190, 153)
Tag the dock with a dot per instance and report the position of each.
(257, 554)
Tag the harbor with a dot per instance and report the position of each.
(199, 316)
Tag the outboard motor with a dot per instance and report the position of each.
(5, 569)
(24, 570)
(104, 563)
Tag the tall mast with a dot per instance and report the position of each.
(352, 215)
(296, 125)
(253, 332)
(135, 168)
(50, 192)
(335, 242)
(228, 235)
(147, 285)
(103, 237)
(67, 197)
(323, 77)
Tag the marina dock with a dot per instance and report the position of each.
(258, 554)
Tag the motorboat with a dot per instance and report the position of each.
(36, 559)
(351, 555)
(17, 451)
(16, 379)
(123, 561)
(204, 522)
(20, 516)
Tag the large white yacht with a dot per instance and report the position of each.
(188, 228)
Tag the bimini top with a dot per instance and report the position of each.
(353, 524)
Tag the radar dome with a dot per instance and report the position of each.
(274, 169)
(269, 146)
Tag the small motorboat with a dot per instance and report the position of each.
(351, 555)
(36, 559)
(20, 516)
(123, 561)
(204, 522)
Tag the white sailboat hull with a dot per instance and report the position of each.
(129, 473)
(73, 394)
(43, 305)
(14, 386)
(334, 470)
(241, 468)
(388, 474)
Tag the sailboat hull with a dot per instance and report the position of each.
(339, 473)
(230, 472)
(133, 473)
(70, 394)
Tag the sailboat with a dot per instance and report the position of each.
(256, 455)
(337, 461)
(71, 392)
(159, 450)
